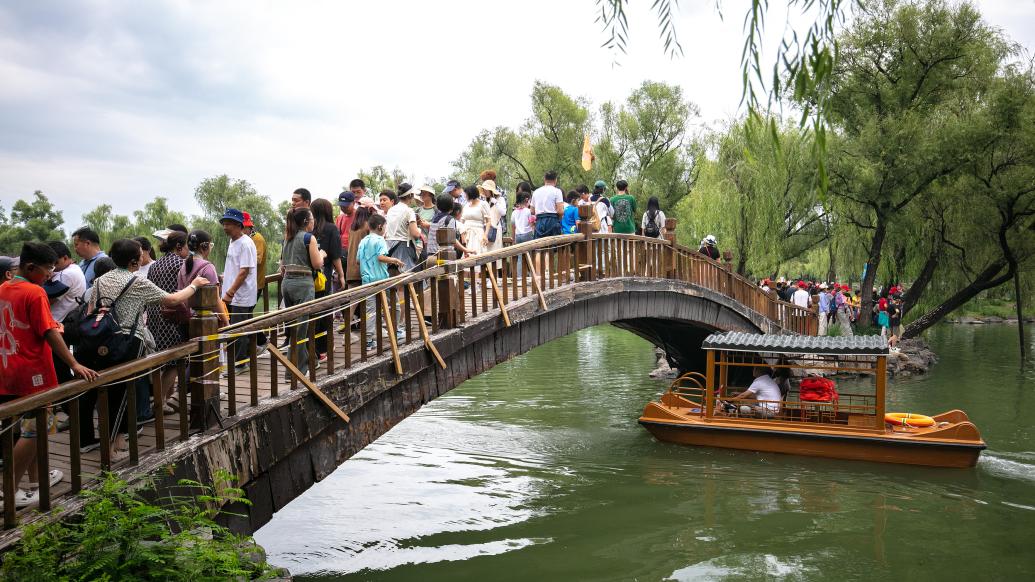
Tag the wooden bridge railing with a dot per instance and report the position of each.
(405, 309)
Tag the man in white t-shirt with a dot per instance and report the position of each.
(240, 288)
(66, 272)
(548, 206)
(801, 297)
(764, 389)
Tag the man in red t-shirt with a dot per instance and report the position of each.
(28, 338)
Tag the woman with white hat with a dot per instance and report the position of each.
(476, 219)
(709, 248)
(497, 213)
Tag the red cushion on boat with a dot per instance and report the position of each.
(817, 389)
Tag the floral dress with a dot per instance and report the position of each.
(163, 274)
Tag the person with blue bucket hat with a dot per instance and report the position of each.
(240, 285)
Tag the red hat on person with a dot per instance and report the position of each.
(247, 220)
(846, 288)
(802, 284)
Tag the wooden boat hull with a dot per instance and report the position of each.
(862, 447)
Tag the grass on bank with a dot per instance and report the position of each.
(992, 308)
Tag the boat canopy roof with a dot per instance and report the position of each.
(735, 341)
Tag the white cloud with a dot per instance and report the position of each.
(118, 101)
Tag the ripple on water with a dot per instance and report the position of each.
(1009, 465)
(473, 489)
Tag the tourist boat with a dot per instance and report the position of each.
(703, 409)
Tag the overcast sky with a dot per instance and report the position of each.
(121, 101)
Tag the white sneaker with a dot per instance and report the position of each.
(25, 498)
(55, 477)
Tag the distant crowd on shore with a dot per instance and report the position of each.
(836, 303)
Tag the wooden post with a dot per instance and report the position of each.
(389, 319)
(204, 375)
(584, 248)
(275, 353)
(448, 306)
(881, 391)
(709, 384)
(670, 250)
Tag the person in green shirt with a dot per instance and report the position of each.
(625, 209)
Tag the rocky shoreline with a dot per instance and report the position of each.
(912, 357)
(983, 319)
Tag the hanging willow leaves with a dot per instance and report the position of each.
(802, 67)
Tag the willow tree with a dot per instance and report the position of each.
(759, 201)
(902, 96)
(218, 193)
(990, 236)
(549, 139)
(110, 226)
(645, 141)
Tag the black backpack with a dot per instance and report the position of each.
(100, 340)
(652, 229)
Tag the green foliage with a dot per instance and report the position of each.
(218, 193)
(758, 201)
(378, 178)
(121, 535)
(642, 140)
(36, 220)
(156, 215)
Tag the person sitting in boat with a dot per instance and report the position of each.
(764, 389)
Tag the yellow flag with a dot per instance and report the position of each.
(587, 154)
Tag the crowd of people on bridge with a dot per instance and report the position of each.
(142, 284)
(837, 303)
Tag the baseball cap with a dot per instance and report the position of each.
(247, 220)
(346, 198)
(55, 288)
(450, 186)
(600, 184)
(8, 264)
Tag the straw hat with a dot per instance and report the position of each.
(488, 188)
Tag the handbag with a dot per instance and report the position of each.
(178, 314)
(491, 235)
(319, 279)
(101, 340)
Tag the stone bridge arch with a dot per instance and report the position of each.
(280, 448)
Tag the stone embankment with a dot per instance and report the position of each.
(912, 356)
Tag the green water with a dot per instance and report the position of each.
(538, 470)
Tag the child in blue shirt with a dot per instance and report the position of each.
(571, 214)
(372, 255)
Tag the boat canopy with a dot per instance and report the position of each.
(859, 345)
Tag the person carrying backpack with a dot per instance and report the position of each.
(653, 223)
(112, 332)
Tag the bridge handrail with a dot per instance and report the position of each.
(106, 376)
(515, 250)
(339, 299)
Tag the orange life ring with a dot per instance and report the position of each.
(909, 419)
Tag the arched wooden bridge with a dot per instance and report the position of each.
(458, 318)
